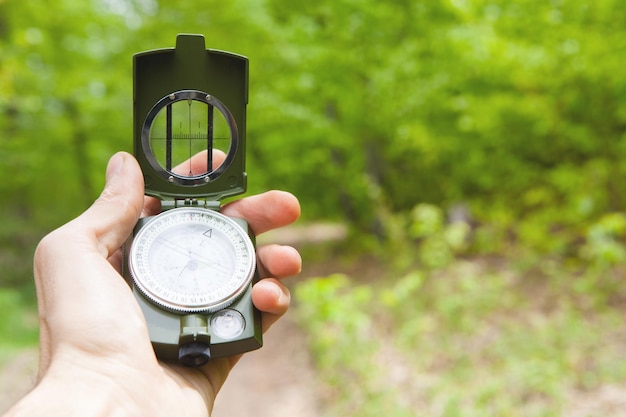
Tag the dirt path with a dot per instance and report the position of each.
(275, 381)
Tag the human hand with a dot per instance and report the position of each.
(95, 353)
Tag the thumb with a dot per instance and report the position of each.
(76, 284)
(111, 218)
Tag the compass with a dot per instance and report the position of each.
(191, 267)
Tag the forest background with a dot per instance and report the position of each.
(474, 150)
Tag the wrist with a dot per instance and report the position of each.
(79, 384)
(73, 395)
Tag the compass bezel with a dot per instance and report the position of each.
(147, 281)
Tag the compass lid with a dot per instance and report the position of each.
(190, 120)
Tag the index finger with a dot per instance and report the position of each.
(266, 211)
(263, 212)
(196, 165)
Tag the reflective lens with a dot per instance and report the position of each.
(227, 324)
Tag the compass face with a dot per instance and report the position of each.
(192, 260)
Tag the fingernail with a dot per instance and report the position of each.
(278, 294)
(273, 289)
(115, 166)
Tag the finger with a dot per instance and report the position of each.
(265, 211)
(272, 298)
(278, 261)
(111, 218)
(151, 206)
(196, 165)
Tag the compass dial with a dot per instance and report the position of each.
(192, 260)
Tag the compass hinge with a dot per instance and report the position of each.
(190, 202)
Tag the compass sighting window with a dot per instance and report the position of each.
(189, 137)
(185, 128)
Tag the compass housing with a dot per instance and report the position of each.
(190, 102)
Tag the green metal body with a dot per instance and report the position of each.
(170, 330)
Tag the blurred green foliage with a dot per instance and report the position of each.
(436, 130)
(19, 325)
(363, 109)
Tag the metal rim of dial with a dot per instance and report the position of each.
(161, 276)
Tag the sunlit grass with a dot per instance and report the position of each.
(468, 340)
